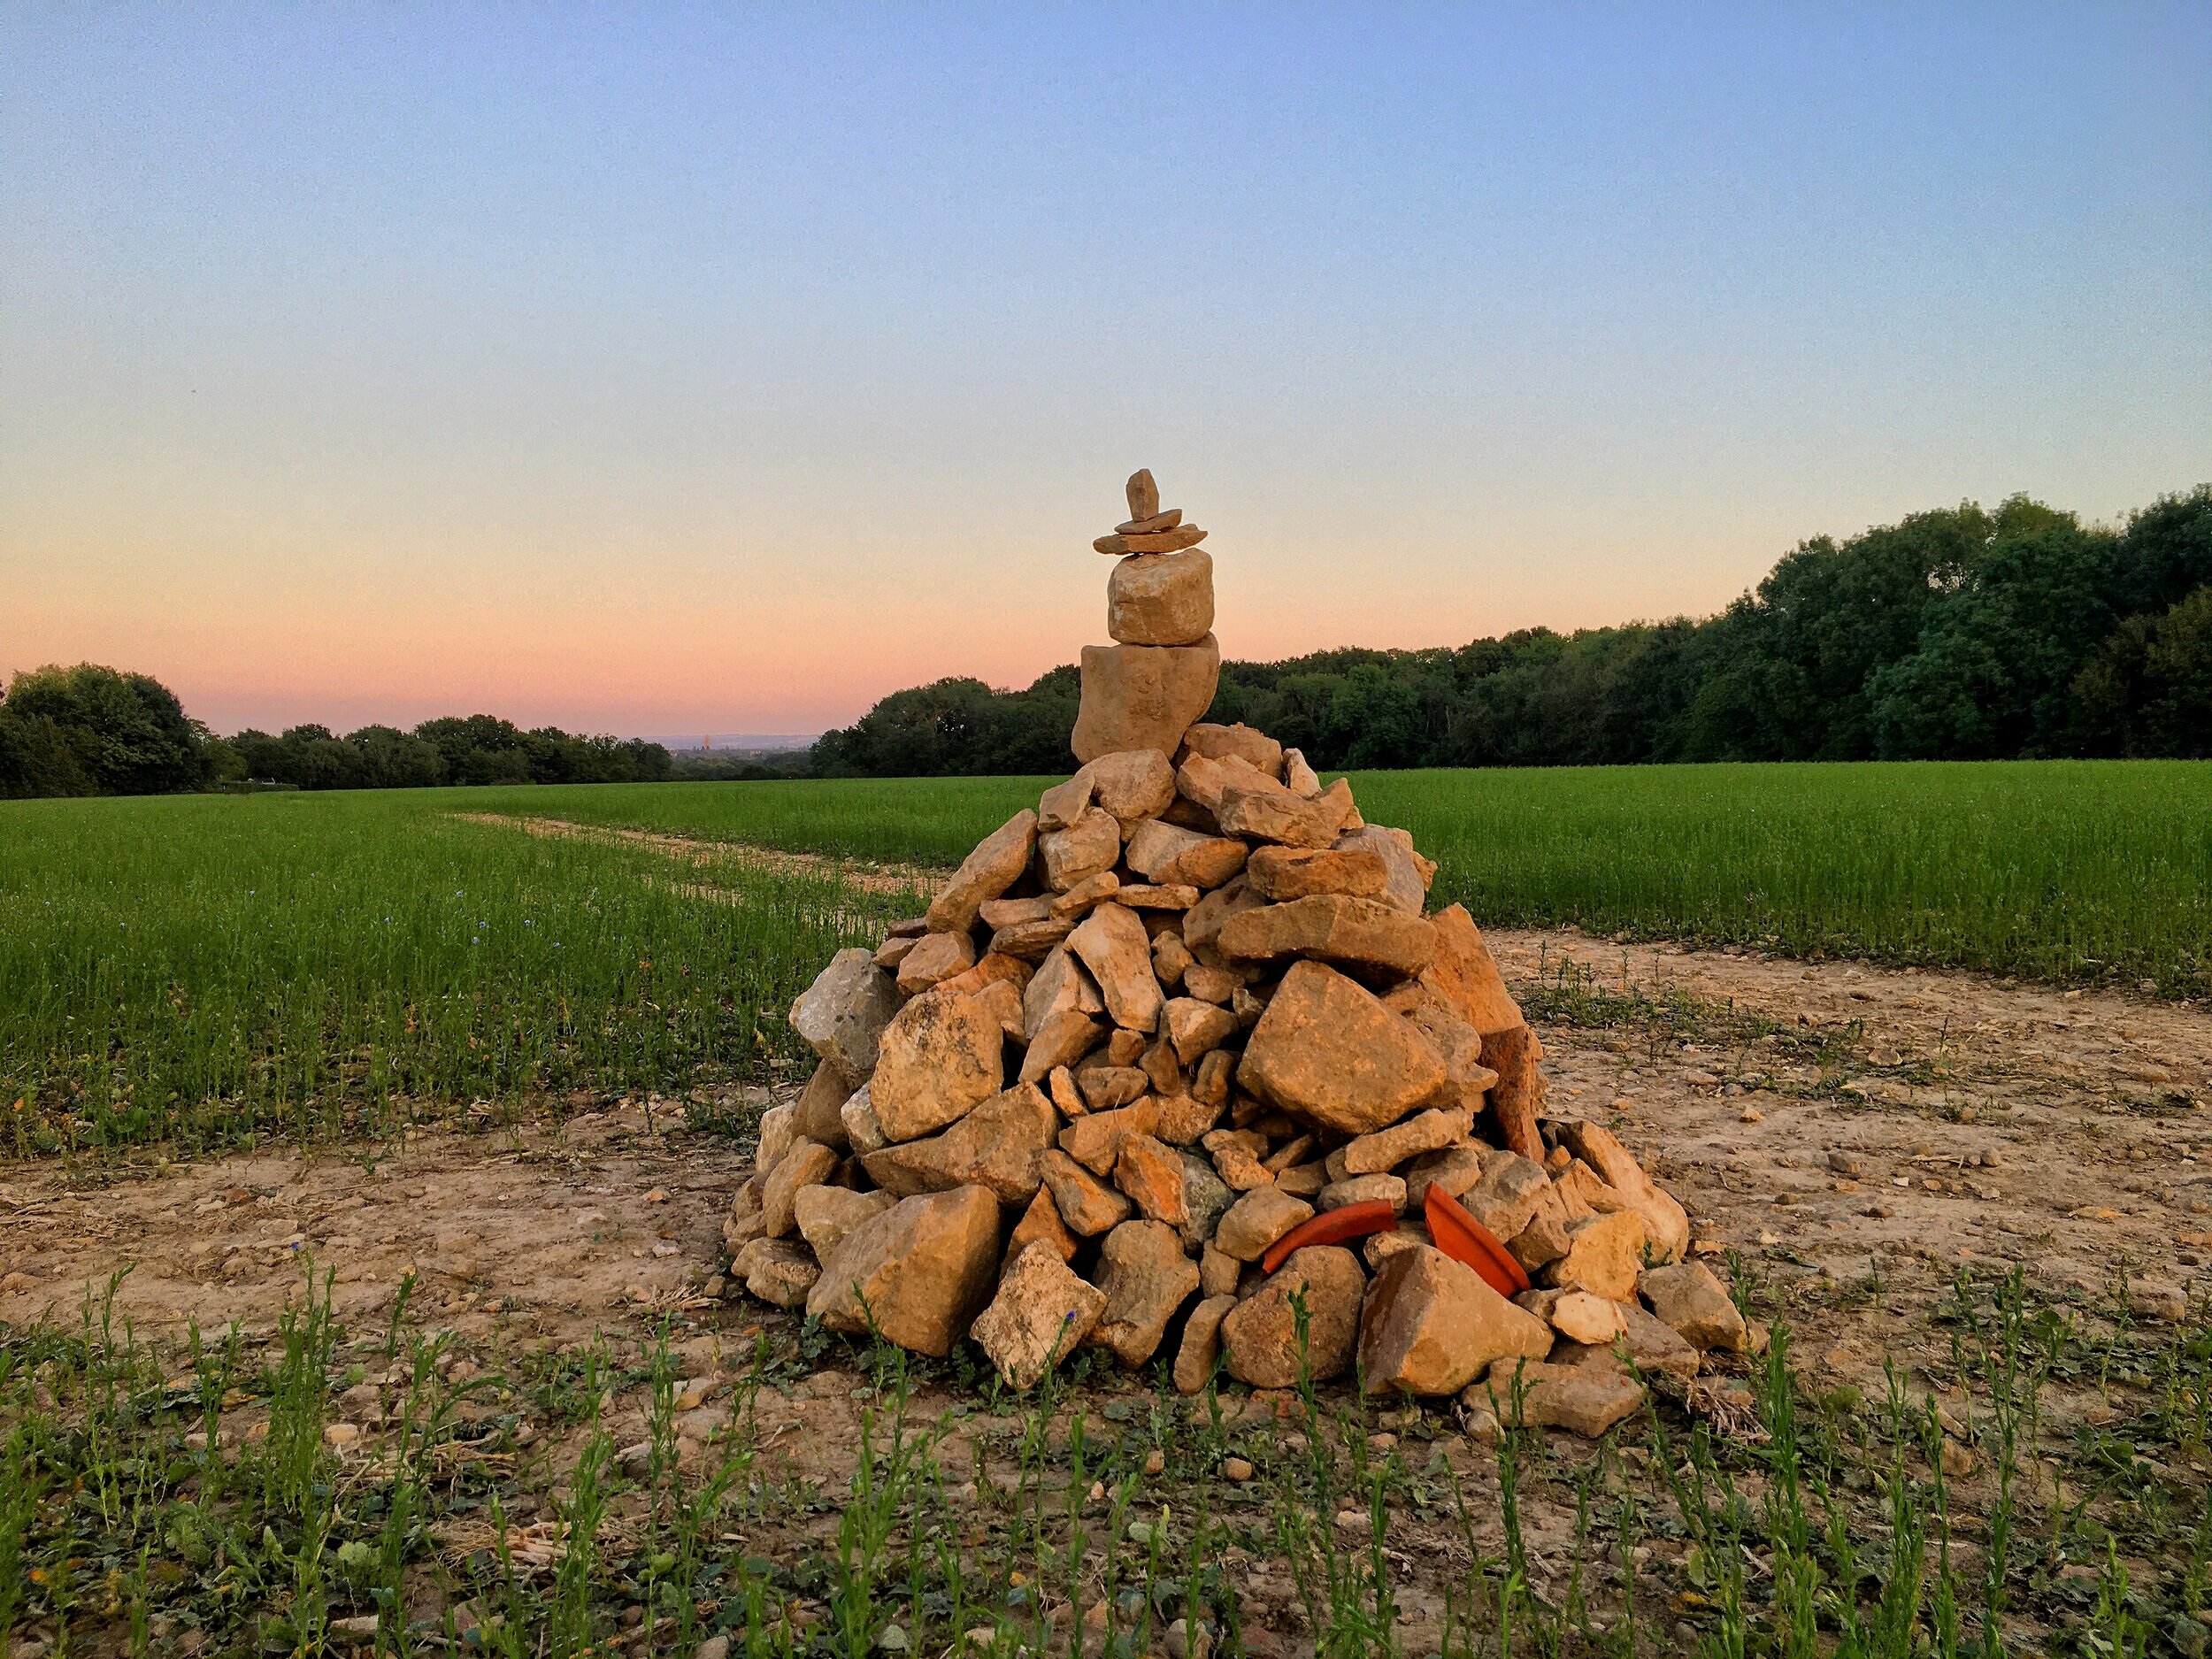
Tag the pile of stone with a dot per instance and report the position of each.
(1189, 1005)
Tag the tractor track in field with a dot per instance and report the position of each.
(866, 877)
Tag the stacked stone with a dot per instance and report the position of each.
(1145, 688)
(1188, 1003)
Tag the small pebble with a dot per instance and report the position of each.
(1751, 1115)
(1155, 1460)
(1236, 1468)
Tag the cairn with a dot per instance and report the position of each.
(1181, 1049)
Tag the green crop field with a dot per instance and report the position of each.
(207, 967)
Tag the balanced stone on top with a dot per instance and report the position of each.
(1148, 529)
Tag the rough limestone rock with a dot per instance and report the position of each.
(1689, 1299)
(1280, 874)
(1274, 814)
(1506, 1197)
(1030, 941)
(1577, 1315)
(1257, 1220)
(935, 958)
(1146, 1278)
(1201, 1348)
(1246, 743)
(1219, 1272)
(1059, 807)
(1168, 854)
(1455, 1168)
(1328, 1051)
(1041, 1313)
(1357, 933)
(863, 1132)
(1644, 1342)
(995, 865)
(1430, 1325)
(1202, 780)
(742, 1224)
(1386, 1149)
(1084, 849)
(999, 1145)
(1469, 1080)
(1105, 1089)
(1088, 1205)
(779, 1133)
(805, 1165)
(922, 1269)
(819, 1112)
(1174, 540)
(1113, 945)
(938, 1060)
(1206, 1199)
(779, 1271)
(1668, 1223)
(1604, 1254)
(1465, 974)
(1161, 599)
(1363, 1189)
(1197, 1028)
(1061, 984)
(1201, 928)
(1061, 1041)
(1586, 1400)
(826, 1214)
(1237, 1164)
(1132, 784)
(1544, 1240)
(1142, 697)
(1041, 1224)
(843, 1012)
(1152, 1175)
(1261, 1332)
(1096, 1139)
(1516, 1099)
(1408, 886)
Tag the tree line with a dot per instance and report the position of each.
(89, 730)
(1957, 635)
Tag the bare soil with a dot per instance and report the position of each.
(1852, 1135)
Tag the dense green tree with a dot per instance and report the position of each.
(125, 734)
(1959, 632)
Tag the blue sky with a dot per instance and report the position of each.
(660, 368)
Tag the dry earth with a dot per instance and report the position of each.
(1856, 1133)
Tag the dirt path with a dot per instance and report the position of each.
(1853, 1135)
(1945, 1117)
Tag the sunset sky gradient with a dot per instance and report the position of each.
(656, 369)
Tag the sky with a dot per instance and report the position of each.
(653, 369)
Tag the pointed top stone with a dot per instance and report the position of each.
(1144, 495)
